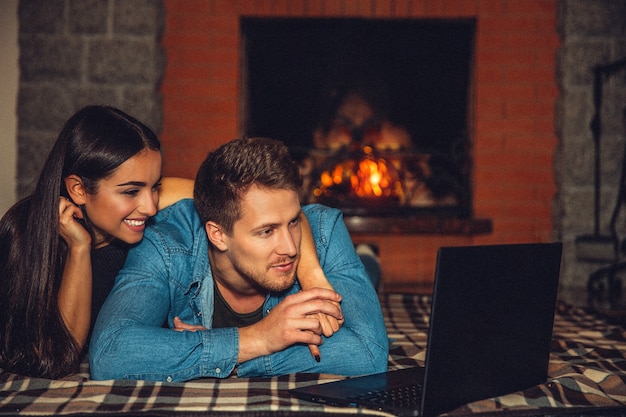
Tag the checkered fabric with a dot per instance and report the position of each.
(587, 372)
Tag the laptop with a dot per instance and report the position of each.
(490, 332)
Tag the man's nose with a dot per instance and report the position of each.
(288, 244)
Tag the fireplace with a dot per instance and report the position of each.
(376, 111)
(511, 137)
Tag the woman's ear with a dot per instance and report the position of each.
(76, 189)
(216, 235)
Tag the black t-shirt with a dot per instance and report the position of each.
(224, 316)
(106, 263)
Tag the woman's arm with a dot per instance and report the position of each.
(174, 189)
(74, 299)
(311, 275)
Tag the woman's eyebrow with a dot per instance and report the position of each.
(135, 183)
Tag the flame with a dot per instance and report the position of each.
(368, 177)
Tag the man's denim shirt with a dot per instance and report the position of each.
(168, 275)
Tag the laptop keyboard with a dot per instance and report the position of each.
(406, 396)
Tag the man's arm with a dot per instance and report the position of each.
(361, 345)
(129, 340)
(294, 320)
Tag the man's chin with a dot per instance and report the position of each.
(280, 285)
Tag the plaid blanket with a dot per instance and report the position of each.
(587, 375)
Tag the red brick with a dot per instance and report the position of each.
(460, 8)
(529, 108)
(532, 7)
(334, 8)
(504, 24)
(491, 8)
(532, 40)
(226, 7)
(490, 41)
(530, 74)
(189, 6)
(382, 8)
(314, 8)
(200, 23)
(200, 88)
(401, 8)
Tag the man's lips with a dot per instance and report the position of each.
(284, 266)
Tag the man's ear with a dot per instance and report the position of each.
(76, 189)
(216, 235)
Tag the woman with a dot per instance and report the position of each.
(61, 247)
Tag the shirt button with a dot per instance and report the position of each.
(218, 370)
(199, 313)
(169, 379)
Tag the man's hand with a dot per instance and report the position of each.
(294, 320)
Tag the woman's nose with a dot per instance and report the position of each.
(149, 204)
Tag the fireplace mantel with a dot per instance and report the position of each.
(417, 224)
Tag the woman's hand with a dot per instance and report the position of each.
(311, 275)
(317, 279)
(70, 229)
(181, 326)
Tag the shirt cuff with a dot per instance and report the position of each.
(220, 349)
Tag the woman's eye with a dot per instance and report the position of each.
(131, 193)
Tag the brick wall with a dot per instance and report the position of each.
(514, 95)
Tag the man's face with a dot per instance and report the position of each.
(264, 247)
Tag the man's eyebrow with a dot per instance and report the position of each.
(275, 225)
(266, 226)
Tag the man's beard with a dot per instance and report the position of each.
(269, 279)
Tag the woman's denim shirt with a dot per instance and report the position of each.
(168, 275)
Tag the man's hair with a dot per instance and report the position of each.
(228, 173)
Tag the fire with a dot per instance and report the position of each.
(372, 179)
(367, 177)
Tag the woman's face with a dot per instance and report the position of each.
(126, 199)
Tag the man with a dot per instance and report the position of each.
(244, 300)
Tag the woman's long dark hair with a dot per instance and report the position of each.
(34, 340)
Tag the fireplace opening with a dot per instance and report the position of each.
(376, 111)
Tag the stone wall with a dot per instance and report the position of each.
(79, 52)
(593, 33)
